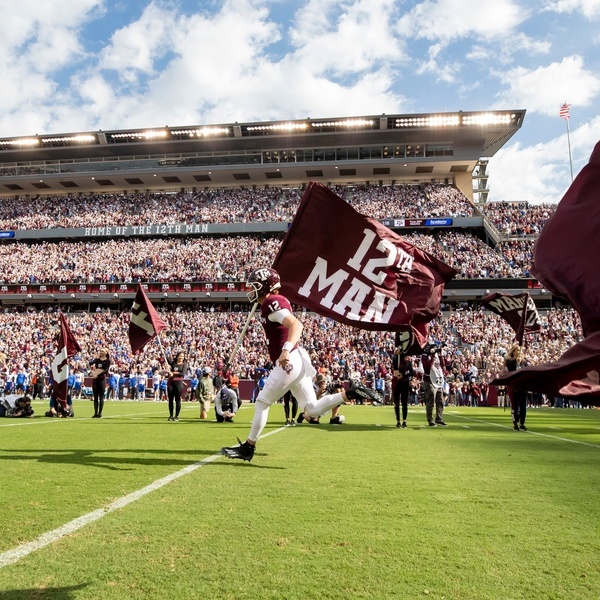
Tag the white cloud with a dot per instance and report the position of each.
(139, 44)
(589, 8)
(450, 19)
(544, 89)
(221, 67)
(39, 39)
(356, 39)
(541, 172)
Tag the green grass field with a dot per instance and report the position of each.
(362, 510)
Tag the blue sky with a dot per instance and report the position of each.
(80, 65)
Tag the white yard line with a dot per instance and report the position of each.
(12, 556)
(555, 437)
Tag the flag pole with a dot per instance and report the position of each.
(162, 349)
(569, 144)
(241, 336)
(565, 113)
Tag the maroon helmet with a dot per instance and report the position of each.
(262, 281)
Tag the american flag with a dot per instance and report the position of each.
(563, 113)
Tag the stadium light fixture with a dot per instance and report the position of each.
(22, 142)
(143, 135)
(202, 132)
(279, 127)
(433, 121)
(346, 123)
(488, 119)
(79, 139)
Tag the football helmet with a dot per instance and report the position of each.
(262, 281)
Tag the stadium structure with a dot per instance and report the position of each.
(383, 150)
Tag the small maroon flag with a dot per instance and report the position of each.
(353, 269)
(66, 347)
(145, 322)
(519, 311)
(564, 262)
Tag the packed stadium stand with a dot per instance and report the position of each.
(189, 212)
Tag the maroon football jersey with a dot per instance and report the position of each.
(276, 333)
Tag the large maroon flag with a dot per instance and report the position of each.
(353, 269)
(519, 311)
(145, 322)
(565, 262)
(66, 347)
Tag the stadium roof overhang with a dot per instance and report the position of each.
(400, 148)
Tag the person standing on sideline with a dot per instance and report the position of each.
(100, 366)
(177, 369)
(205, 392)
(290, 408)
(233, 383)
(156, 379)
(193, 387)
(433, 381)
(402, 374)
(113, 385)
(292, 368)
(518, 397)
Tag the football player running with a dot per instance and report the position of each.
(292, 366)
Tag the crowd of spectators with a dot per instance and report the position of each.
(123, 261)
(518, 219)
(228, 205)
(475, 341)
(216, 258)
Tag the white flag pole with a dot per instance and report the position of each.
(241, 336)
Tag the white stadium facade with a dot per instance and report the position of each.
(383, 150)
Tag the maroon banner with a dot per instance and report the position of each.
(565, 260)
(565, 256)
(355, 270)
(519, 311)
(575, 373)
(145, 323)
(66, 346)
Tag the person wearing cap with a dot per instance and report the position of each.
(226, 405)
(205, 391)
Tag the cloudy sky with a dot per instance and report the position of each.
(80, 65)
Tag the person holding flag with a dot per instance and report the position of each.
(100, 366)
(292, 369)
(518, 396)
(178, 368)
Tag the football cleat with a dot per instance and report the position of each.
(356, 391)
(244, 451)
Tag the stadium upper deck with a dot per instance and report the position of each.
(443, 147)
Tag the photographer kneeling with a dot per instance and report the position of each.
(226, 405)
(16, 406)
